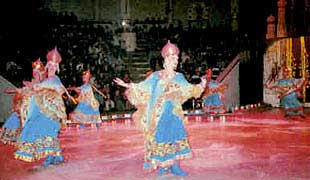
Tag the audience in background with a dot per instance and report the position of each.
(96, 46)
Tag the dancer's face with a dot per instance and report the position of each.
(51, 69)
(36, 75)
(209, 76)
(85, 79)
(286, 74)
(171, 62)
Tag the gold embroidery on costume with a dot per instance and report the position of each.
(31, 149)
(51, 104)
(177, 93)
(139, 98)
(85, 118)
(88, 97)
(166, 149)
(9, 136)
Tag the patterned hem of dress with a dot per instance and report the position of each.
(77, 117)
(9, 136)
(8, 141)
(157, 163)
(37, 156)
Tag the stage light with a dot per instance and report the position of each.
(124, 23)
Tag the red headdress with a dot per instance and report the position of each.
(37, 65)
(209, 72)
(287, 69)
(169, 49)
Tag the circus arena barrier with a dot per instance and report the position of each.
(5, 99)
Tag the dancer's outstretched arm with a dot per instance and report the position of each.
(76, 89)
(10, 91)
(99, 92)
(69, 96)
(120, 82)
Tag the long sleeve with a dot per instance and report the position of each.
(139, 95)
(181, 90)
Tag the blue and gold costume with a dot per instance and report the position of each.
(289, 100)
(288, 89)
(39, 136)
(212, 99)
(11, 129)
(21, 101)
(87, 111)
(159, 113)
(45, 117)
(16, 121)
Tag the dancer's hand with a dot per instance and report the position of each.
(8, 91)
(267, 86)
(72, 99)
(27, 83)
(71, 88)
(203, 82)
(120, 82)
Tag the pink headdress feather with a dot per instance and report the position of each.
(169, 49)
(53, 59)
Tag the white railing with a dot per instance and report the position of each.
(5, 99)
(230, 76)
